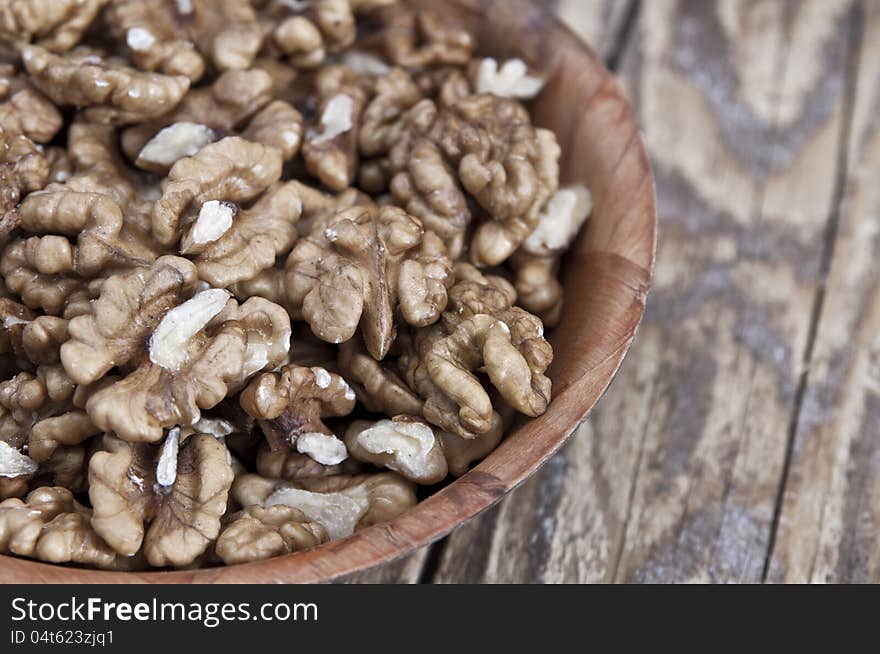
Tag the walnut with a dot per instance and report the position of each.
(111, 91)
(30, 340)
(226, 32)
(292, 403)
(510, 80)
(404, 444)
(537, 260)
(199, 352)
(306, 32)
(238, 100)
(93, 218)
(362, 265)
(260, 533)
(375, 383)
(508, 166)
(383, 118)
(293, 465)
(461, 452)
(169, 499)
(23, 168)
(340, 504)
(51, 526)
(420, 38)
(56, 25)
(127, 310)
(480, 330)
(230, 170)
(15, 471)
(51, 293)
(27, 399)
(67, 467)
(229, 245)
(330, 148)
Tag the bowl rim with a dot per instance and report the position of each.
(469, 495)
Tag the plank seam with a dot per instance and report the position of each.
(855, 36)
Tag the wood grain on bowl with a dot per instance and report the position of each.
(606, 277)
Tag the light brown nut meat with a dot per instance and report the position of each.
(27, 339)
(30, 113)
(51, 293)
(200, 352)
(67, 467)
(223, 107)
(111, 92)
(508, 166)
(230, 170)
(27, 399)
(16, 470)
(23, 168)
(291, 465)
(383, 118)
(51, 526)
(55, 24)
(155, 36)
(225, 32)
(359, 268)
(461, 452)
(403, 444)
(330, 147)
(231, 245)
(293, 402)
(425, 37)
(257, 533)
(307, 32)
(169, 499)
(93, 218)
(480, 330)
(375, 383)
(340, 504)
(128, 309)
(279, 125)
(537, 260)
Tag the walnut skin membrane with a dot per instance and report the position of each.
(272, 272)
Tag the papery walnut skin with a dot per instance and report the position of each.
(232, 169)
(127, 310)
(51, 526)
(260, 533)
(359, 268)
(111, 92)
(294, 401)
(56, 24)
(182, 519)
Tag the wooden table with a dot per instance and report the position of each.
(740, 442)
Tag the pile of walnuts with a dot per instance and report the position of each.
(267, 267)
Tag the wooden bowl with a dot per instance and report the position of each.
(606, 278)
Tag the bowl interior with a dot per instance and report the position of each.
(605, 276)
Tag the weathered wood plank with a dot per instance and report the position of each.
(599, 23)
(829, 528)
(675, 476)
